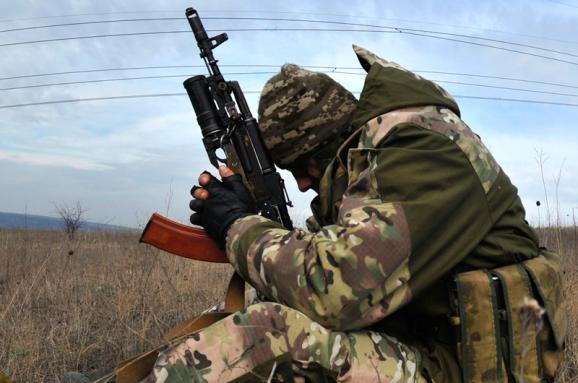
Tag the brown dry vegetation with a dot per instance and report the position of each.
(113, 298)
(565, 242)
(109, 300)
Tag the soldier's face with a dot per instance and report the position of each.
(307, 174)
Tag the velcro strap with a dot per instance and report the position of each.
(481, 358)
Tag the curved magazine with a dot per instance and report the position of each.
(184, 241)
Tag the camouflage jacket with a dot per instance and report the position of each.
(412, 198)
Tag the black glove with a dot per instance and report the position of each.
(228, 201)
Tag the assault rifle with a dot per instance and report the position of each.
(227, 126)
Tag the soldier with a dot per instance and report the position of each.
(420, 266)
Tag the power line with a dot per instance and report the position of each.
(324, 14)
(561, 3)
(485, 85)
(292, 30)
(99, 70)
(517, 100)
(492, 46)
(402, 29)
(92, 37)
(154, 95)
(406, 30)
(85, 14)
(183, 75)
(89, 23)
(329, 68)
(75, 100)
(507, 88)
(500, 78)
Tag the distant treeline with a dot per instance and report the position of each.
(38, 222)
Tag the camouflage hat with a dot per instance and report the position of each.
(301, 111)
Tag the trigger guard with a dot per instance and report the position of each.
(222, 145)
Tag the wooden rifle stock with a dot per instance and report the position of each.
(184, 241)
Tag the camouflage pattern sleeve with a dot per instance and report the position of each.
(345, 276)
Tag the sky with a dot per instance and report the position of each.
(125, 159)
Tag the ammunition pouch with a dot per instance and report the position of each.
(503, 335)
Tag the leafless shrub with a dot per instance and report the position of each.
(72, 217)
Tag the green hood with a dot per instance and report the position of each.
(389, 86)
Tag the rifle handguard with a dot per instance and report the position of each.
(184, 241)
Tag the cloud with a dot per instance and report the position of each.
(122, 157)
(52, 160)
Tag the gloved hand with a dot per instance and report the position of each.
(217, 204)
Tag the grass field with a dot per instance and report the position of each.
(85, 305)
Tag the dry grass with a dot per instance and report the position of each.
(109, 300)
(565, 241)
(113, 298)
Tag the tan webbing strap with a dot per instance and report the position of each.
(136, 369)
(481, 356)
(235, 297)
(523, 346)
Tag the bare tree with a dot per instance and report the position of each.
(72, 217)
